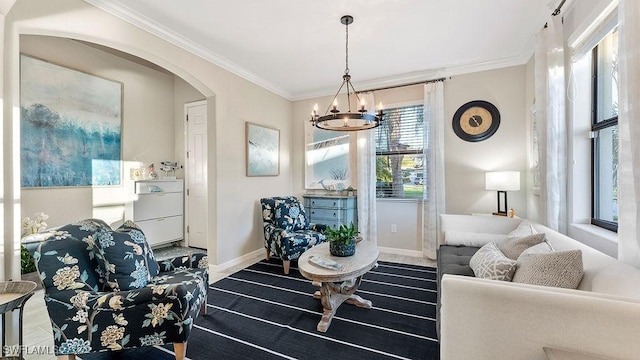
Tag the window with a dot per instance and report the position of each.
(604, 130)
(400, 162)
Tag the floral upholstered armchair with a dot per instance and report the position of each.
(287, 231)
(105, 291)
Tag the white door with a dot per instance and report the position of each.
(196, 175)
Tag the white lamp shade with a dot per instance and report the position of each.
(502, 180)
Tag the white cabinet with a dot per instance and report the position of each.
(159, 210)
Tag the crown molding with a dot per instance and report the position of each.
(418, 76)
(139, 20)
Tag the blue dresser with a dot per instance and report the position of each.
(331, 210)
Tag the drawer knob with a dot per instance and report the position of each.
(313, 203)
(334, 203)
(334, 215)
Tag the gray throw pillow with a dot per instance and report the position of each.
(490, 263)
(558, 269)
(512, 248)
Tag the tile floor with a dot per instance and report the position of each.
(38, 338)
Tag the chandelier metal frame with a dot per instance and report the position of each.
(334, 119)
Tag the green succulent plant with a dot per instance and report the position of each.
(342, 234)
(27, 263)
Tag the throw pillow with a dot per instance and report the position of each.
(524, 229)
(513, 247)
(558, 269)
(542, 248)
(490, 263)
(138, 235)
(124, 261)
(466, 238)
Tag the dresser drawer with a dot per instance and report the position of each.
(153, 205)
(327, 214)
(145, 187)
(329, 203)
(162, 230)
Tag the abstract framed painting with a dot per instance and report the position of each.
(70, 126)
(263, 150)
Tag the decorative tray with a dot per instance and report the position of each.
(325, 263)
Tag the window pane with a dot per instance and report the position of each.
(607, 76)
(399, 161)
(409, 183)
(606, 174)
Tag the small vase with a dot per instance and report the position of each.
(343, 249)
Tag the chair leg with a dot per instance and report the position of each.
(203, 307)
(66, 357)
(268, 255)
(180, 349)
(286, 264)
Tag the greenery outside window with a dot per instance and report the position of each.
(604, 133)
(400, 165)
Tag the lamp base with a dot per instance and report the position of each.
(499, 213)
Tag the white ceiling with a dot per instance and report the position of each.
(296, 48)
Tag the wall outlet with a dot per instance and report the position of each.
(394, 228)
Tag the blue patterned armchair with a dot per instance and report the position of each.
(105, 291)
(287, 231)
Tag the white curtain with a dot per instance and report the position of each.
(551, 117)
(629, 133)
(433, 205)
(366, 189)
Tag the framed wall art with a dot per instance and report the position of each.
(70, 126)
(263, 150)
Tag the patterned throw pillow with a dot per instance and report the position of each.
(512, 248)
(290, 215)
(152, 263)
(490, 263)
(558, 269)
(124, 260)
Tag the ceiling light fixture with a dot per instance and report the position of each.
(333, 119)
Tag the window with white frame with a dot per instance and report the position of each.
(400, 165)
(604, 132)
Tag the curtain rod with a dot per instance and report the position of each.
(556, 12)
(403, 85)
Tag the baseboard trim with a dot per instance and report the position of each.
(403, 252)
(242, 261)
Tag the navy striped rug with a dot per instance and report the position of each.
(260, 313)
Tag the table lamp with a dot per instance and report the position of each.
(502, 181)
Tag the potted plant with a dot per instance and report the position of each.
(342, 240)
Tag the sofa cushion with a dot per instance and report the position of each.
(138, 235)
(123, 258)
(513, 247)
(618, 279)
(559, 269)
(490, 263)
(468, 238)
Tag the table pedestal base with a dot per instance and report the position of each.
(332, 295)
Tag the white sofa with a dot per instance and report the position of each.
(490, 319)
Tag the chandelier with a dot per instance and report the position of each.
(334, 119)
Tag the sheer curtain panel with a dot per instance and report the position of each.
(551, 116)
(629, 133)
(366, 170)
(433, 204)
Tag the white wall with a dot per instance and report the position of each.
(465, 163)
(234, 224)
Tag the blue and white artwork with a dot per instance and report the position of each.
(263, 150)
(70, 127)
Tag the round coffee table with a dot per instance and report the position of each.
(338, 285)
